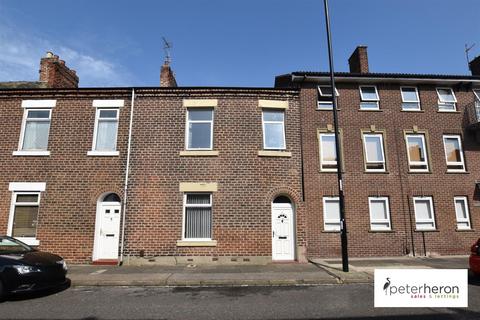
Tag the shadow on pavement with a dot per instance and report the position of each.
(37, 294)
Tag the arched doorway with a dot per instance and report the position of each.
(107, 228)
(283, 235)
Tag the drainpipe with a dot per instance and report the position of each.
(127, 171)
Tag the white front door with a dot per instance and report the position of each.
(283, 239)
(108, 231)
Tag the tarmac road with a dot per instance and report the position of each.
(353, 301)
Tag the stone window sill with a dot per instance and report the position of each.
(23, 153)
(199, 153)
(187, 243)
(465, 230)
(103, 153)
(381, 231)
(428, 230)
(267, 153)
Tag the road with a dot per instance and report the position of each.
(353, 301)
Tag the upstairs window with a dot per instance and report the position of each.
(273, 129)
(324, 100)
(417, 154)
(197, 216)
(462, 214)
(328, 152)
(369, 97)
(454, 153)
(476, 92)
(199, 129)
(446, 99)
(424, 214)
(36, 127)
(105, 132)
(410, 99)
(331, 213)
(374, 152)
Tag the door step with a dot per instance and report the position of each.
(105, 262)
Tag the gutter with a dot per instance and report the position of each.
(127, 172)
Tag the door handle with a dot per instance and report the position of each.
(110, 235)
(273, 234)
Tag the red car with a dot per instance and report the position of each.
(474, 260)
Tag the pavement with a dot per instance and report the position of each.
(317, 272)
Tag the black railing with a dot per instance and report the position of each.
(471, 116)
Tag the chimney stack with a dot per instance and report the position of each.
(475, 66)
(167, 78)
(358, 61)
(55, 73)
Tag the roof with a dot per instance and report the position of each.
(22, 85)
(385, 75)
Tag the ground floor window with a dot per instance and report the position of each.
(379, 213)
(331, 213)
(197, 216)
(461, 211)
(424, 214)
(25, 214)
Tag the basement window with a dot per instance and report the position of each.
(369, 98)
(447, 102)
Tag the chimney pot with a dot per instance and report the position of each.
(49, 54)
(358, 61)
(475, 66)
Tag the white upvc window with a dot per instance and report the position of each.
(273, 125)
(454, 153)
(374, 152)
(199, 133)
(424, 213)
(369, 98)
(331, 213)
(462, 213)
(328, 152)
(476, 92)
(106, 130)
(35, 130)
(446, 99)
(417, 152)
(379, 213)
(410, 99)
(197, 216)
(324, 100)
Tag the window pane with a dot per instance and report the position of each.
(38, 114)
(460, 210)
(416, 149)
(25, 221)
(329, 152)
(369, 93)
(273, 115)
(325, 91)
(410, 106)
(423, 211)
(199, 135)
(477, 94)
(200, 114)
(106, 136)
(36, 135)
(198, 199)
(409, 94)
(452, 149)
(378, 209)
(27, 197)
(446, 95)
(108, 114)
(198, 222)
(373, 146)
(369, 105)
(332, 210)
(274, 138)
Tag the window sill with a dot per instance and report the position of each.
(380, 172)
(420, 172)
(31, 153)
(29, 241)
(465, 230)
(447, 111)
(331, 109)
(427, 230)
(457, 172)
(413, 111)
(331, 231)
(266, 153)
(187, 243)
(381, 231)
(199, 153)
(103, 153)
(372, 110)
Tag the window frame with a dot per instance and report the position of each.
(330, 221)
(187, 127)
(467, 212)
(424, 221)
(476, 92)
(444, 103)
(283, 131)
(380, 221)
(95, 129)
(417, 163)
(320, 151)
(462, 158)
(366, 162)
(33, 241)
(419, 108)
(376, 100)
(24, 127)
(185, 205)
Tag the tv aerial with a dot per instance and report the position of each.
(166, 48)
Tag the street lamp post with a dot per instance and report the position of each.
(343, 225)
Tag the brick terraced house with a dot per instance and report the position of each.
(202, 175)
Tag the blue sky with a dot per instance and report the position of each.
(232, 43)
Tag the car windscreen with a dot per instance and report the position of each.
(9, 246)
